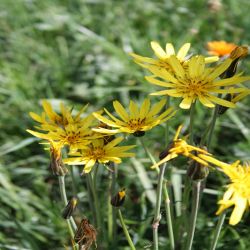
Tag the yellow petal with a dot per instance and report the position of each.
(120, 110)
(240, 207)
(170, 49)
(159, 52)
(152, 80)
(145, 108)
(186, 103)
(183, 51)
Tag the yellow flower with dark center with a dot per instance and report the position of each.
(163, 55)
(50, 118)
(238, 191)
(181, 147)
(196, 82)
(71, 135)
(98, 151)
(137, 120)
(220, 48)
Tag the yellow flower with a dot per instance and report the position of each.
(220, 48)
(195, 81)
(138, 120)
(162, 56)
(50, 118)
(238, 191)
(64, 129)
(98, 151)
(71, 135)
(181, 147)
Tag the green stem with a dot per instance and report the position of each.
(96, 201)
(90, 199)
(169, 217)
(166, 197)
(157, 215)
(111, 209)
(146, 150)
(125, 230)
(71, 223)
(218, 230)
(195, 207)
(191, 123)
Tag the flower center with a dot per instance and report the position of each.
(193, 87)
(136, 124)
(72, 136)
(97, 153)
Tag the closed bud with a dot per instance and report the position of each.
(238, 53)
(70, 208)
(119, 198)
(56, 163)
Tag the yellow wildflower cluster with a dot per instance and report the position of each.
(76, 133)
(90, 139)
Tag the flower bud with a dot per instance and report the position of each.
(119, 198)
(70, 208)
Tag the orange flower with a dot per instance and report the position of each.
(220, 48)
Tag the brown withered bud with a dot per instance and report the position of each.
(237, 54)
(56, 163)
(119, 198)
(85, 235)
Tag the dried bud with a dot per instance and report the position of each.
(56, 163)
(119, 198)
(85, 235)
(70, 208)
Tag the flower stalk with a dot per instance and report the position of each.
(218, 230)
(157, 215)
(70, 222)
(125, 230)
(195, 207)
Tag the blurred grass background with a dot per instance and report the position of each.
(77, 51)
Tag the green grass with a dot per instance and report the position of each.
(76, 51)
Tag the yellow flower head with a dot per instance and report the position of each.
(98, 151)
(163, 55)
(220, 48)
(64, 129)
(238, 191)
(137, 120)
(50, 118)
(181, 147)
(196, 81)
(71, 135)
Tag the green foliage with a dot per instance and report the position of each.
(76, 51)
